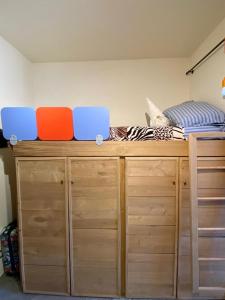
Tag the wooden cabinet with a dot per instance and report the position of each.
(72, 210)
(43, 225)
(95, 226)
(151, 226)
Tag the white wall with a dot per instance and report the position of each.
(122, 86)
(205, 83)
(15, 90)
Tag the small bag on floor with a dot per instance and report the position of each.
(9, 249)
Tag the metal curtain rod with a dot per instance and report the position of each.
(191, 71)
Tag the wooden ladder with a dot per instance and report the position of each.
(198, 232)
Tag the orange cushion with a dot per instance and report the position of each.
(54, 123)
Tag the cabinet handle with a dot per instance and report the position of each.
(174, 182)
(72, 182)
(61, 181)
(185, 183)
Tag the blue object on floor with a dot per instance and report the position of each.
(19, 122)
(88, 122)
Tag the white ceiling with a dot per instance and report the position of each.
(73, 30)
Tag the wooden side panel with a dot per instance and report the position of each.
(43, 220)
(210, 214)
(95, 226)
(151, 216)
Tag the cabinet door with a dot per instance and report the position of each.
(95, 226)
(42, 205)
(151, 216)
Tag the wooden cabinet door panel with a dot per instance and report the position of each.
(43, 223)
(94, 192)
(95, 226)
(151, 217)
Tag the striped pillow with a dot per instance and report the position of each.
(194, 113)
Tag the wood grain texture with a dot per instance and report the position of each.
(151, 239)
(43, 225)
(45, 279)
(150, 275)
(95, 259)
(108, 148)
(210, 213)
(95, 226)
(207, 273)
(122, 228)
(151, 218)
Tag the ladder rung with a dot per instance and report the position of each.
(211, 198)
(211, 288)
(211, 258)
(211, 229)
(211, 168)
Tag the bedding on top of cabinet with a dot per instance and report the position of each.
(138, 133)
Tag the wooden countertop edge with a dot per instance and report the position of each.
(115, 148)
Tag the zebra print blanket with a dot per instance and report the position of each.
(137, 133)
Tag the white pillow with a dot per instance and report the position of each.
(157, 118)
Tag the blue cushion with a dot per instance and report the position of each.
(19, 121)
(194, 113)
(88, 122)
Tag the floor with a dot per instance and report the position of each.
(10, 289)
